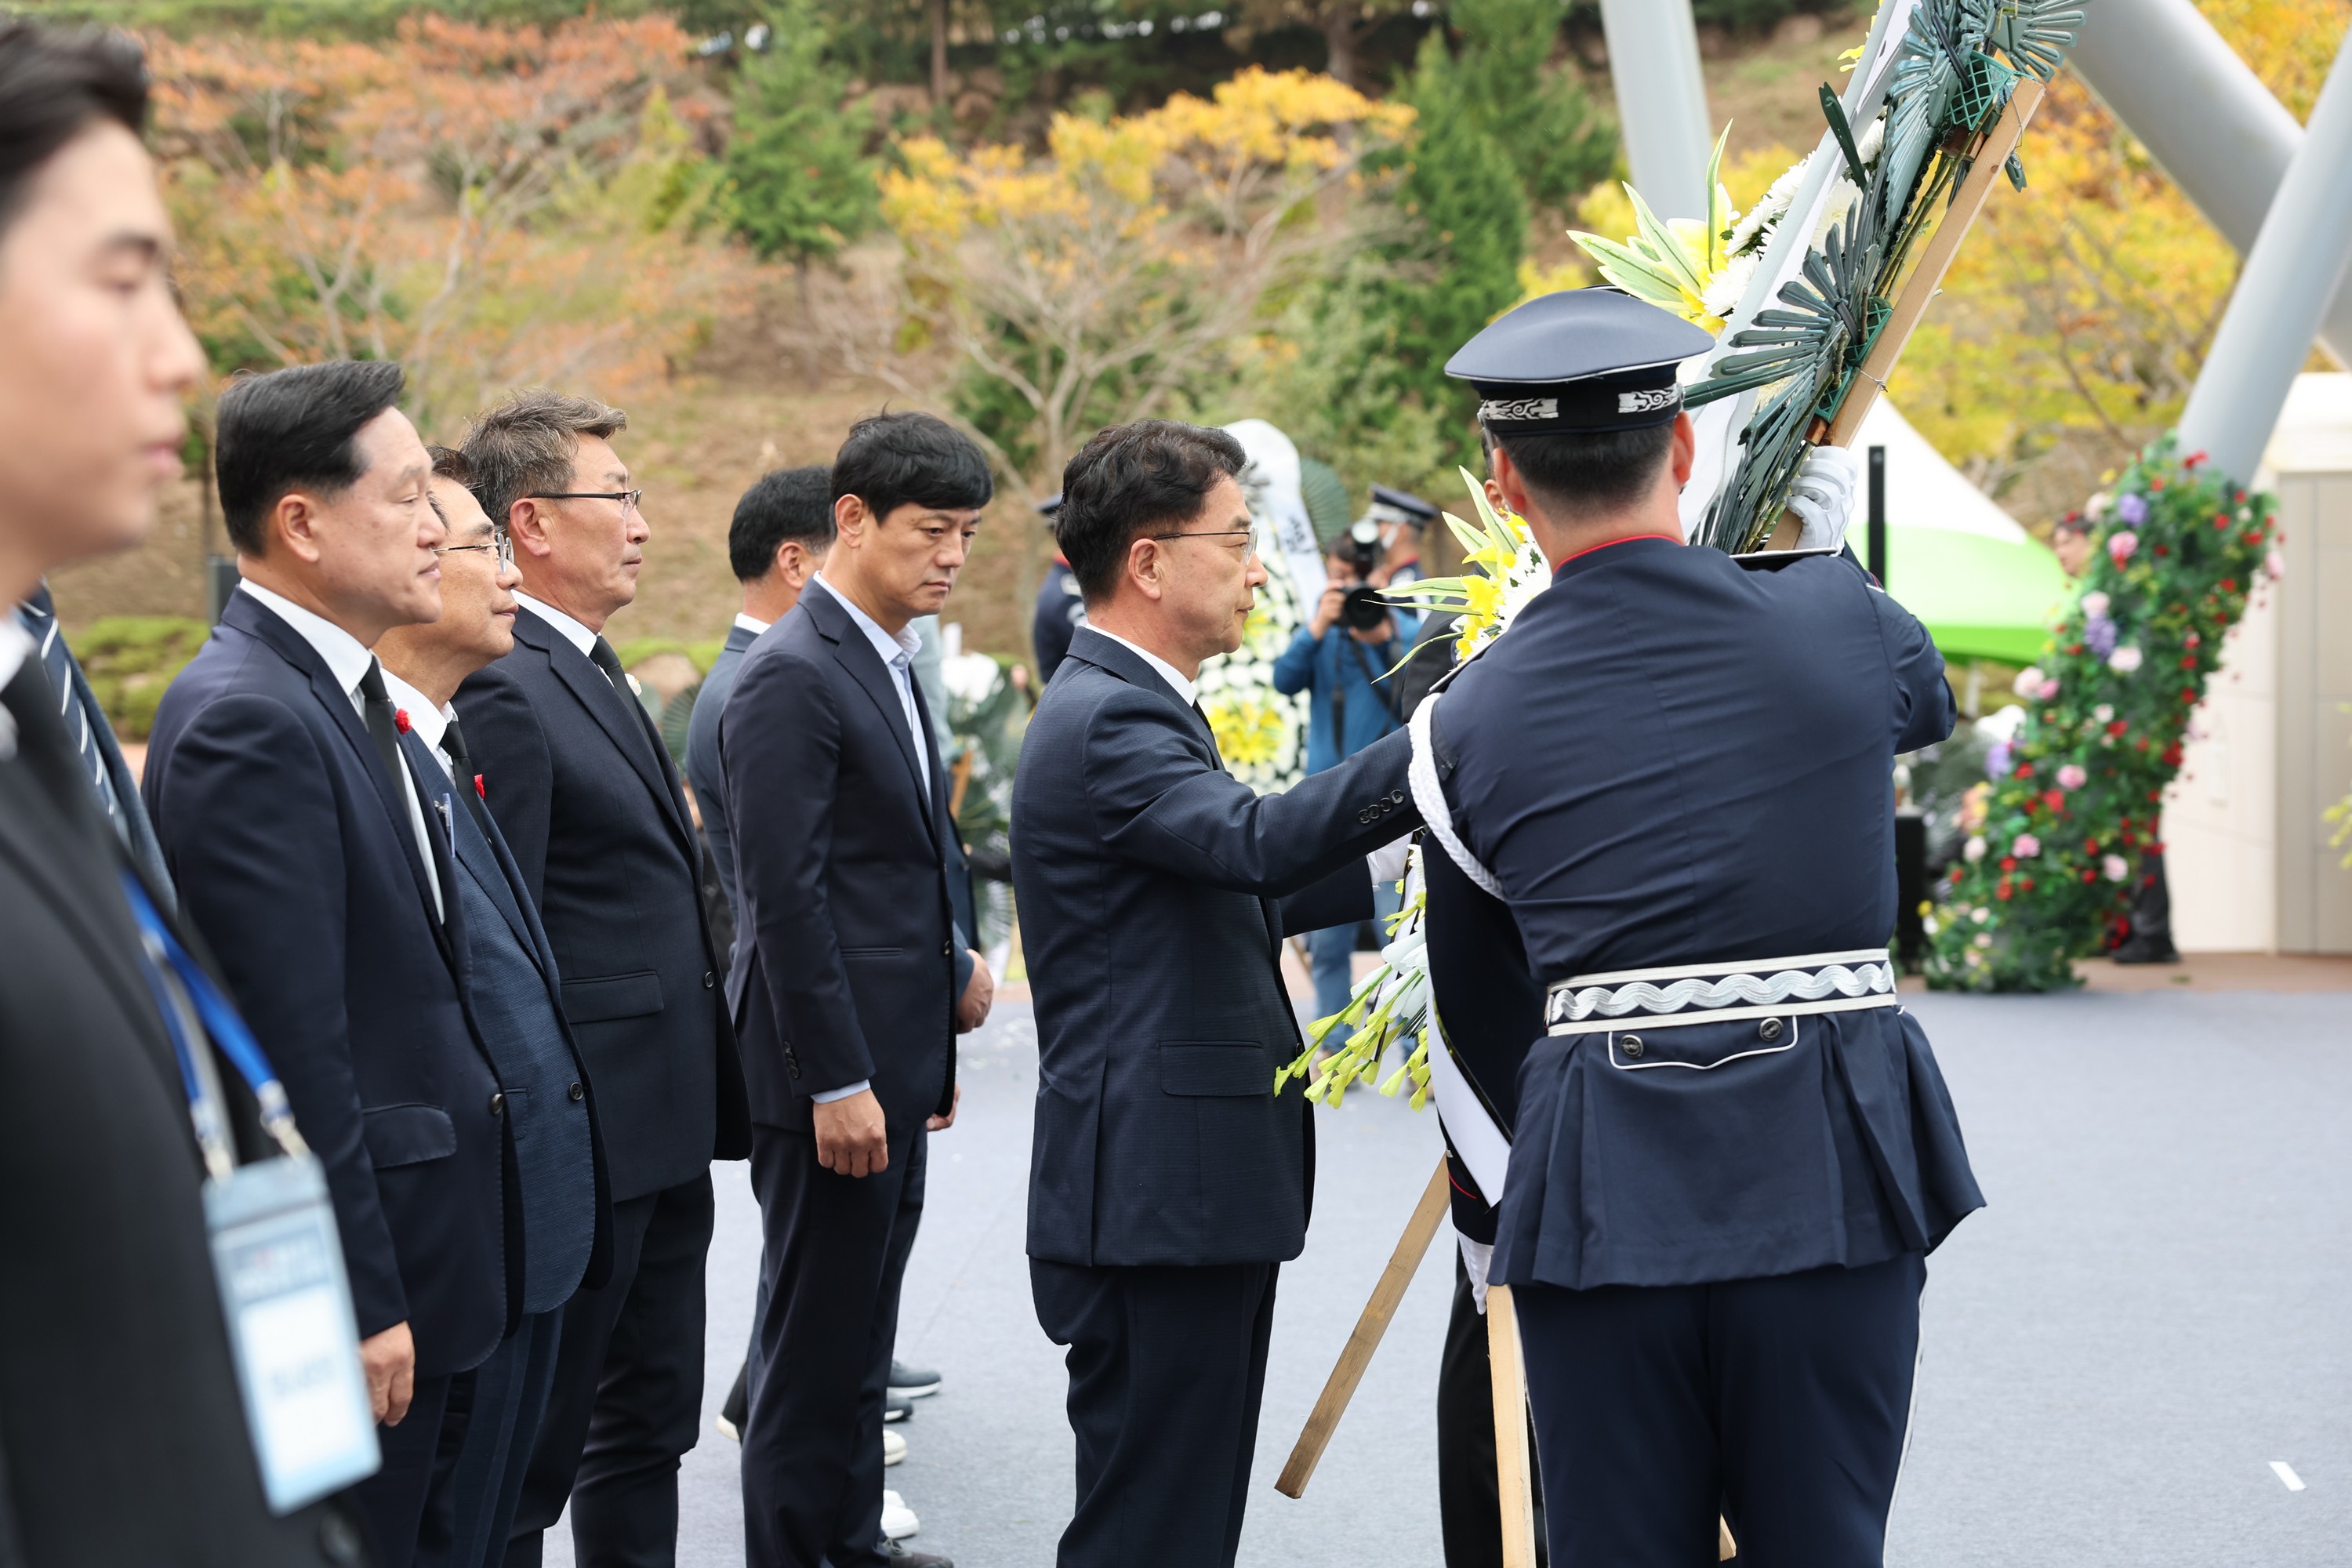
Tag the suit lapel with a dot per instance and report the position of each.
(440, 810)
(629, 731)
(256, 620)
(865, 666)
(483, 865)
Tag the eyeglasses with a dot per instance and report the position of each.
(1249, 533)
(628, 498)
(502, 545)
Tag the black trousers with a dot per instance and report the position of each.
(408, 1502)
(1469, 1498)
(490, 1433)
(1782, 1402)
(835, 1254)
(1167, 1371)
(627, 1400)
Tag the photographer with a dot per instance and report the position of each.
(1340, 659)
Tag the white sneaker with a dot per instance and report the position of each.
(898, 1521)
(894, 1448)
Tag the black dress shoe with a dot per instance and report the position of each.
(736, 1414)
(897, 1552)
(2140, 948)
(912, 1382)
(895, 1408)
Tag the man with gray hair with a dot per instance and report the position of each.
(592, 809)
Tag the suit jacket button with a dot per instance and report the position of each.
(577, 1092)
(708, 980)
(1397, 798)
(497, 1105)
(1768, 1030)
(1632, 1045)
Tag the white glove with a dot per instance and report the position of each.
(1388, 862)
(1478, 1256)
(1823, 495)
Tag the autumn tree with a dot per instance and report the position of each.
(491, 205)
(1097, 282)
(2070, 330)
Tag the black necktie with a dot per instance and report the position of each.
(375, 706)
(469, 783)
(601, 654)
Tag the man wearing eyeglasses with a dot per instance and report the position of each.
(1168, 1181)
(590, 804)
(547, 1118)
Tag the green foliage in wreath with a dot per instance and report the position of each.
(2074, 798)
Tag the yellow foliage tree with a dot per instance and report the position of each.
(491, 205)
(1134, 254)
(2071, 329)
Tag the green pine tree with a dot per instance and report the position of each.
(1456, 261)
(802, 180)
(1559, 139)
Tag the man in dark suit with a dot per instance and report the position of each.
(1167, 1180)
(560, 1209)
(123, 1440)
(592, 809)
(311, 856)
(851, 977)
(782, 528)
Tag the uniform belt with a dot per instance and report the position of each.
(1715, 992)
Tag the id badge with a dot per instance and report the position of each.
(289, 1308)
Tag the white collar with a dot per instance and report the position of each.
(575, 634)
(890, 645)
(752, 624)
(16, 647)
(1187, 691)
(429, 722)
(345, 656)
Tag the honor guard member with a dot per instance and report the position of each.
(1732, 1149)
(1060, 611)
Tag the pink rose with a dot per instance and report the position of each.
(2094, 605)
(2071, 776)
(2121, 545)
(2115, 869)
(2025, 847)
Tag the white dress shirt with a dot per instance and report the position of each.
(752, 624)
(896, 650)
(1188, 692)
(15, 644)
(349, 662)
(575, 634)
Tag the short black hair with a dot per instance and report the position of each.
(291, 429)
(892, 460)
(55, 82)
(1582, 472)
(449, 463)
(791, 503)
(1130, 477)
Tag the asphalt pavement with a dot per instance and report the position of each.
(2126, 1358)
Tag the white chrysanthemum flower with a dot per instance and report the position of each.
(1725, 288)
(1872, 143)
(1758, 221)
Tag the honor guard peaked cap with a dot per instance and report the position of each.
(1583, 360)
(1401, 506)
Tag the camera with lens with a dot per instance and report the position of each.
(1360, 547)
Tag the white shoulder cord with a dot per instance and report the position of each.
(1421, 774)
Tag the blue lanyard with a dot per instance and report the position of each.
(190, 1003)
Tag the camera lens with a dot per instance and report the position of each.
(1362, 609)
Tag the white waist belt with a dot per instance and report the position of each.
(1713, 992)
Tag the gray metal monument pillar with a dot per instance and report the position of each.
(2178, 86)
(2291, 273)
(1660, 101)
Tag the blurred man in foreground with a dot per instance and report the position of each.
(123, 1437)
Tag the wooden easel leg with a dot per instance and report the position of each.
(1356, 1355)
(1513, 1478)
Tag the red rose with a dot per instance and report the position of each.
(2002, 890)
(2089, 875)
(400, 719)
(2188, 661)
(2009, 862)
(478, 790)
(2025, 770)
(2054, 798)
(2026, 883)
(2228, 584)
